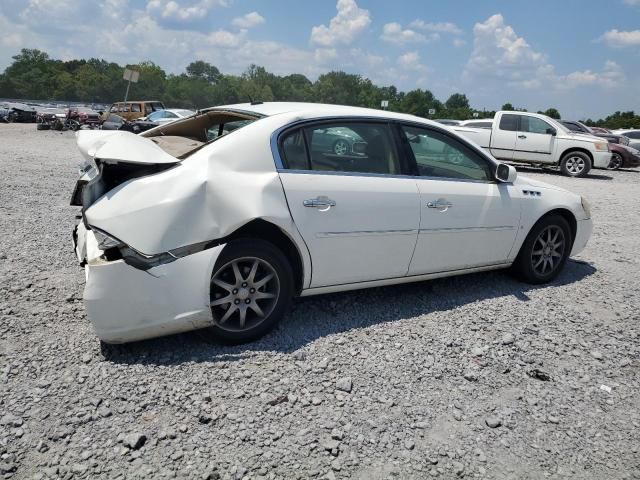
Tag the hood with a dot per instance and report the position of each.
(522, 181)
(121, 147)
(585, 136)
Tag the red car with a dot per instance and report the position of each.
(623, 156)
(83, 116)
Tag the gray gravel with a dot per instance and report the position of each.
(476, 377)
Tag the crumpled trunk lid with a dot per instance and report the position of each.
(113, 158)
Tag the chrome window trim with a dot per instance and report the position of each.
(275, 151)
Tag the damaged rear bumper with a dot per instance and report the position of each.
(126, 304)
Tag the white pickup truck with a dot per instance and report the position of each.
(532, 138)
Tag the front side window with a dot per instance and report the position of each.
(509, 122)
(154, 117)
(439, 155)
(356, 147)
(534, 125)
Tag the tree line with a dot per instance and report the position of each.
(34, 75)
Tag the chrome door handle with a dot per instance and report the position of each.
(440, 204)
(522, 136)
(322, 203)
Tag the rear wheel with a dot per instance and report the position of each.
(341, 147)
(251, 288)
(545, 250)
(616, 161)
(575, 164)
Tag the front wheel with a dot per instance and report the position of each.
(341, 147)
(575, 164)
(616, 161)
(251, 287)
(545, 250)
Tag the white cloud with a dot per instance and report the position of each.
(411, 61)
(611, 76)
(249, 20)
(619, 39)
(632, 2)
(349, 22)
(225, 39)
(442, 27)
(500, 56)
(458, 42)
(323, 55)
(394, 33)
(182, 11)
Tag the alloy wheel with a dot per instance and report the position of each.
(341, 147)
(616, 162)
(244, 292)
(575, 165)
(548, 250)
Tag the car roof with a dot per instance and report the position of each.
(315, 110)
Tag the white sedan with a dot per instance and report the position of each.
(168, 115)
(217, 221)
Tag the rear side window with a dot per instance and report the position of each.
(135, 107)
(509, 122)
(295, 151)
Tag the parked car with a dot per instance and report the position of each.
(46, 117)
(632, 134)
(133, 109)
(84, 116)
(180, 232)
(536, 139)
(445, 121)
(623, 156)
(4, 114)
(20, 112)
(169, 115)
(478, 123)
(580, 127)
(114, 122)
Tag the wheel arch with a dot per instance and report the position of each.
(564, 213)
(265, 230)
(576, 149)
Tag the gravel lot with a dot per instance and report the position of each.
(443, 378)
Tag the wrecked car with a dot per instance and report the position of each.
(21, 113)
(216, 221)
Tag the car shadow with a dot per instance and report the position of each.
(590, 175)
(316, 317)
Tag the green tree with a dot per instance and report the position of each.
(507, 107)
(553, 113)
(457, 101)
(203, 70)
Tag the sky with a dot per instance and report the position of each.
(579, 56)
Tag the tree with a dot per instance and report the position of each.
(553, 113)
(507, 107)
(456, 101)
(203, 70)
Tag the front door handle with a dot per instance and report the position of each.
(522, 136)
(441, 204)
(321, 203)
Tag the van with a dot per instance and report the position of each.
(134, 109)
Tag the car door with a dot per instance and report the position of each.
(467, 219)
(535, 140)
(503, 137)
(357, 211)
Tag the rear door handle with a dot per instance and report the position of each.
(441, 204)
(522, 136)
(321, 203)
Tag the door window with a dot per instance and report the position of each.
(355, 147)
(533, 125)
(509, 122)
(439, 155)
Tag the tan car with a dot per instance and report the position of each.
(134, 109)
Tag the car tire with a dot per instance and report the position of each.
(341, 147)
(616, 162)
(544, 251)
(255, 277)
(42, 126)
(575, 164)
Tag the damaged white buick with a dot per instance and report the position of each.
(218, 220)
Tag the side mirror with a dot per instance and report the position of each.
(506, 173)
(551, 131)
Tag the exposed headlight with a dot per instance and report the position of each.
(586, 207)
(602, 146)
(106, 241)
